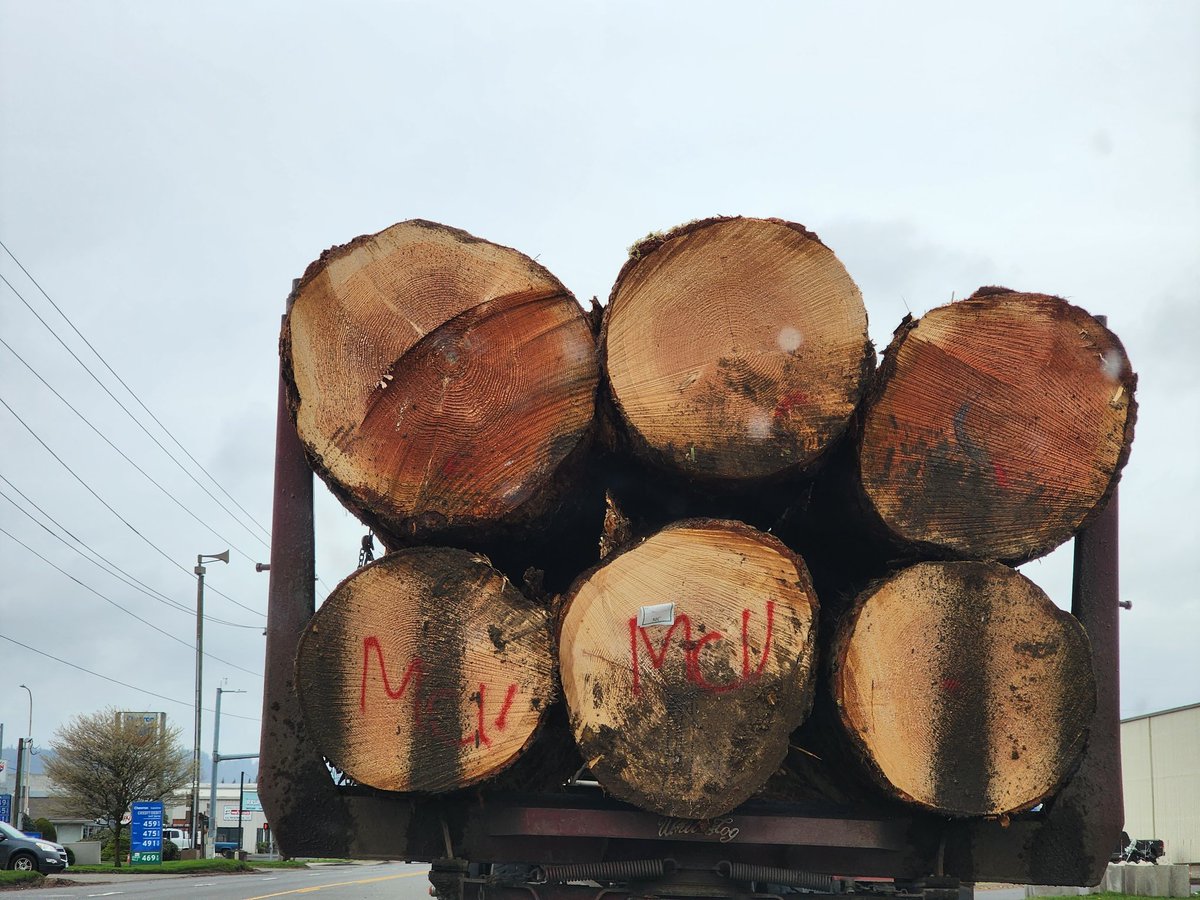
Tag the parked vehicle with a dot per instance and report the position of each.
(26, 854)
(1139, 851)
(178, 837)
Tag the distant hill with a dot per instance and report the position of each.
(10, 757)
(227, 772)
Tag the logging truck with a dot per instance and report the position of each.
(684, 596)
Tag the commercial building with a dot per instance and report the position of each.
(255, 834)
(1160, 761)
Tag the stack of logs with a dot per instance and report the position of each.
(694, 540)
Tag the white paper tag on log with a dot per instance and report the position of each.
(658, 614)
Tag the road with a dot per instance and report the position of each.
(393, 881)
(371, 881)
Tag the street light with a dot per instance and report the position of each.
(200, 570)
(29, 733)
(28, 757)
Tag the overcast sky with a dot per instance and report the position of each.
(167, 168)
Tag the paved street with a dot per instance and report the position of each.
(395, 881)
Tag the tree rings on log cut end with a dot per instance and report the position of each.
(998, 425)
(963, 688)
(425, 671)
(686, 662)
(437, 380)
(735, 348)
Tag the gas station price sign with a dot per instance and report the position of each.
(146, 834)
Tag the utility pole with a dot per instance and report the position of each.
(199, 677)
(29, 751)
(16, 804)
(200, 570)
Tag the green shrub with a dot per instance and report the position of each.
(46, 827)
(70, 857)
(170, 852)
(106, 849)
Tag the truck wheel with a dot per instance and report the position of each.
(228, 854)
(23, 862)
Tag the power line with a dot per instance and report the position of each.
(121, 452)
(106, 505)
(121, 381)
(132, 582)
(102, 564)
(125, 409)
(107, 565)
(123, 609)
(132, 687)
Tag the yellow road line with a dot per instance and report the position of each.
(321, 887)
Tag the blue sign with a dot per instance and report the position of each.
(145, 834)
(5, 807)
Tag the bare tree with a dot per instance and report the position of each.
(103, 764)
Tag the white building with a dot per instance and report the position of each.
(1160, 773)
(255, 833)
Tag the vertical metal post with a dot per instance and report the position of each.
(196, 845)
(209, 847)
(293, 779)
(1095, 789)
(241, 800)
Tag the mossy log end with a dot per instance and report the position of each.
(735, 349)
(425, 671)
(996, 426)
(438, 381)
(686, 661)
(963, 688)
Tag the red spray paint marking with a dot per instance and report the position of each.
(1001, 475)
(423, 702)
(502, 719)
(413, 670)
(762, 663)
(789, 402)
(951, 685)
(692, 651)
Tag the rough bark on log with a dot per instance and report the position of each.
(425, 671)
(996, 426)
(686, 661)
(963, 688)
(735, 348)
(438, 381)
